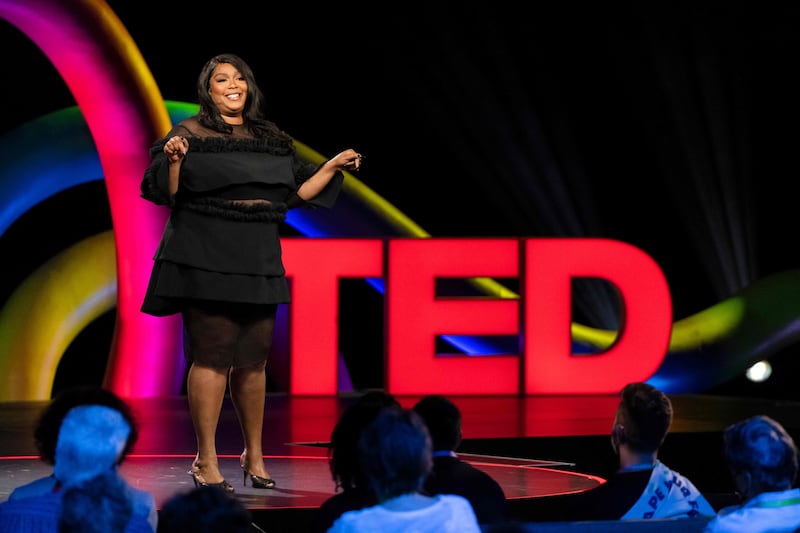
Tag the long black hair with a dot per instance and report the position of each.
(253, 114)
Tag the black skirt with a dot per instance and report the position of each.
(172, 287)
(206, 258)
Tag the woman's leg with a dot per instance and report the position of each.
(248, 385)
(205, 387)
(209, 336)
(248, 393)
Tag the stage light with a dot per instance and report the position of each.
(759, 372)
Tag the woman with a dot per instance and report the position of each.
(229, 175)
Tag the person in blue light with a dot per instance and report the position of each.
(46, 435)
(762, 458)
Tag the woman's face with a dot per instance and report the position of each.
(228, 90)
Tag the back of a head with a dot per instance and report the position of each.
(47, 428)
(204, 509)
(343, 452)
(96, 505)
(761, 447)
(443, 419)
(646, 415)
(395, 452)
(379, 398)
(91, 441)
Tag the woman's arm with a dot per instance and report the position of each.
(176, 149)
(347, 160)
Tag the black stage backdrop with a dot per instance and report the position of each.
(667, 125)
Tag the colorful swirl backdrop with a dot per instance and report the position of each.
(119, 110)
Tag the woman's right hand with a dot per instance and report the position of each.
(176, 148)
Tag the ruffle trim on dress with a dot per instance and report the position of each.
(238, 211)
(270, 145)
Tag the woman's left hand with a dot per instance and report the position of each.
(348, 160)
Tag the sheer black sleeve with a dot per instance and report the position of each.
(155, 183)
(327, 196)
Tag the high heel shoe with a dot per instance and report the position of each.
(258, 482)
(199, 482)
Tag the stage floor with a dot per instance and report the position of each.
(538, 448)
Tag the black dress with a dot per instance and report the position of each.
(218, 245)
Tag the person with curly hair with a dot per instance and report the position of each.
(352, 487)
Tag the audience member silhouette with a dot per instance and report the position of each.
(352, 488)
(90, 494)
(45, 436)
(205, 509)
(642, 487)
(395, 452)
(98, 505)
(450, 474)
(762, 458)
